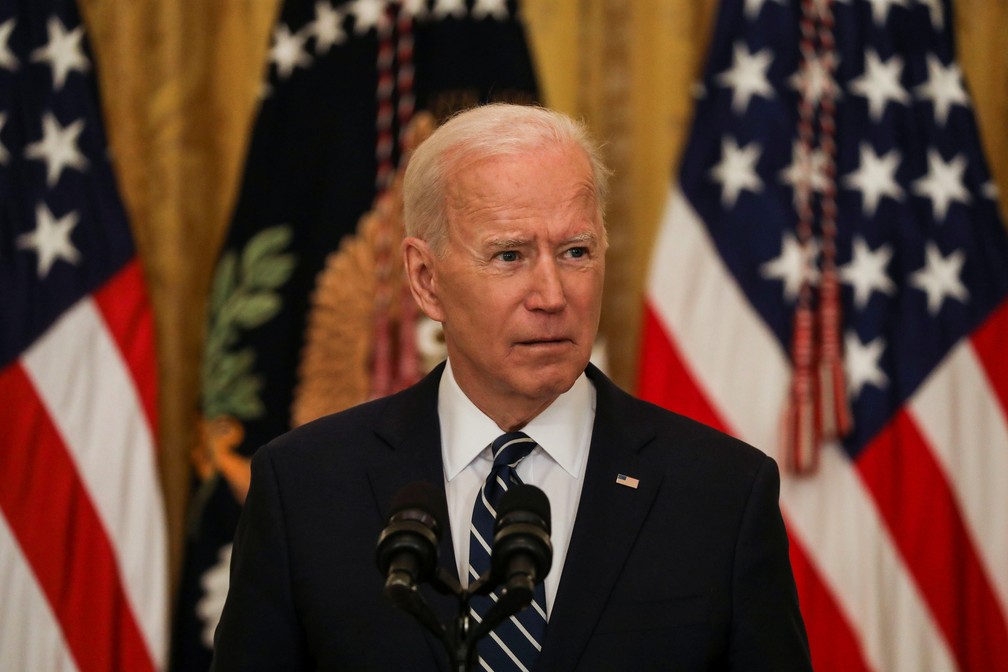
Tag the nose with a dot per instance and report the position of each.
(546, 292)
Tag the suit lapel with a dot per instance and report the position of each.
(608, 519)
(410, 429)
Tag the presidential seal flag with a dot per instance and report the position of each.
(344, 82)
(829, 283)
(83, 556)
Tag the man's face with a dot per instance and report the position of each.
(519, 285)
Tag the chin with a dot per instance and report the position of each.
(553, 383)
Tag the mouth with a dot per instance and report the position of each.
(545, 342)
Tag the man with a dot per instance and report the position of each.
(669, 547)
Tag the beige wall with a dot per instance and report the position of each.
(180, 77)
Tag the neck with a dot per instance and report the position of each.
(516, 418)
(509, 412)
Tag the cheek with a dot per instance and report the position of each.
(587, 291)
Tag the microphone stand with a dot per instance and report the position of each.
(460, 636)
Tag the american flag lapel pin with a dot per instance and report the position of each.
(628, 481)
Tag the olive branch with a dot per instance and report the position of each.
(243, 296)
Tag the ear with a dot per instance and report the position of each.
(420, 263)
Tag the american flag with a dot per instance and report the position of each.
(834, 142)
(83, 559)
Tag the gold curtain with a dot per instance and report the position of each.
(180, 78)
(179, 81)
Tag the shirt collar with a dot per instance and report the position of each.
(562, 430)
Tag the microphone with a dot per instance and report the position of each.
(522, 552)
(408, 546)
(521, 555)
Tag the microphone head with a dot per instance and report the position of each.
(524, 503)
(415, 524)
(521, 534)
(421, 501)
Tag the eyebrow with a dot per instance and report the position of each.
(506, 243)
(511, 243)
(584, 237)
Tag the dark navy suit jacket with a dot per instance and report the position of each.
(689, 571)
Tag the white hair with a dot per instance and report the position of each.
(498, 129)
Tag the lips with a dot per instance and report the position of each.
(545, 341)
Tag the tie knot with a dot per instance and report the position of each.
(510, 449)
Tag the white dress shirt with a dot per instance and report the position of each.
(563, 432)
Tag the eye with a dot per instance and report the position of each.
(508, 255)
(578, 252)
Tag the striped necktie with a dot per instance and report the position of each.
(515, 643)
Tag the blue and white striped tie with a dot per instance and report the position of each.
(515, 643)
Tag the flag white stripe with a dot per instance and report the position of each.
(977, 471)
(837, 521)
(31, 637)
(85, 385)
(694, 296)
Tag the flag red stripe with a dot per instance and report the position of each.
(834, 646)
(124, 306)
(661, 362)
(989, 342)
(51, 515)
(833, 642)
(920, 510)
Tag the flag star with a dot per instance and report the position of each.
(940, 277)
(753, 7)
(880, 83)
(327, 28)
(944, 88)
(795, 265)
(815, 79)
(4, 154)
(8, 60)
(58, 147)
(51, 239)
(62, 51)
(880, 9)
(737, 170)
(875, 177)
(446, 8)
(943, 183)
(416, 9)
(747, 76)
(937, 13)
(989, 190)
(369, 14)
(866, 273)
(288, 51)
(495, 8)
(861, 363)
(805, 165)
